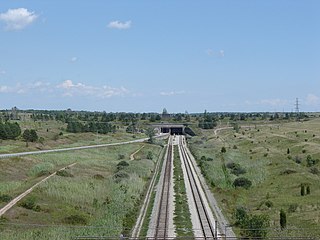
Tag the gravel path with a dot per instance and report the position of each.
(21, 196)
(132, 155)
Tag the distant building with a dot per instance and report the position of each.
(165, 115)
(14, 113)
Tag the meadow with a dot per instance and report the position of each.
(277, 157)
(99, 196)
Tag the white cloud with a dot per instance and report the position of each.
(119, 25)
(221, 53)
(171, 93)
(312, 99)
(74, 59)
(17, 19)
(210, 52)
(79, 89)
(4, 89)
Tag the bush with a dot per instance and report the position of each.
(121, 156)
(283, 219)
(76, 220)
(5, 198)
(64, 173)
(119, 176)
(223, 150)
(292, 207)
(311, 161)
(121, 165)
(314, 170)
(209, 159)
(235, 147)
(242, 182)
(98, 177)
(241, 216)
(149, 155)
(269, 204)
(236, 169)
(30, 203)
(203, 158)
(287, 172)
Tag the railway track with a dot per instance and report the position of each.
(163, 211)
(207, 228)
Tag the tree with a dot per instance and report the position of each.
(242, 182)
(302, 190)
(288, 151)
(223, 150)
(150, 134)
(283, 219)
(30, 136)
(308, 190)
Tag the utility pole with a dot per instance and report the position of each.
(297, 109)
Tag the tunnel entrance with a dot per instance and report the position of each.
(176, 131)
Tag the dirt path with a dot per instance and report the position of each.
(132, 155)
(17, 199)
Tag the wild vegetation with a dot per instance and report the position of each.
(265, 167)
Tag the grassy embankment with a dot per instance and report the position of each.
(275, 161)
(95, 192)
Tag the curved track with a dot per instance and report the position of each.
(208, 231)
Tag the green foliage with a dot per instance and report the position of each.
(292, 207)
(150, 134)
(121, 156)
(92, 126)
(302, 190)
(121, 165)
(269, 204)
(150, 155)
(76, 220)
(5, 198)
(30, 135)
(251, 225)
(9, 130)
(283, 219)
(308, 189)
(236, 169)
(311, 162)
(242, 182)
(30, 203)
(119, 176)
(64, 173)
(223, 150)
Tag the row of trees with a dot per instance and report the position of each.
(96, 127)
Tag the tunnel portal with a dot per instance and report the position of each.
(173, 129)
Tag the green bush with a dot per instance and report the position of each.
(5, 198)
(121, 165)
(292, 207)
(269, 204)
(30, 203)
(64, 173)
(242, 182)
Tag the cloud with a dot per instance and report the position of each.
(79, 89)
(119, 25)
(4, 89)
(312, 100)
(210, 52)
(172, 93)
(74, 59)
(2, 72)
(17, 19)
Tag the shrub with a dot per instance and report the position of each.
(288, 151)
(242, 182)
(308, 190)
(241, 216)
(287, 172)
(223, 150)
(150, 155)
(311, 161)
(203, 158)
(302, 190)
(292, 207)
(269, 204)
(283, 219)
(5, 198)
(314, 170)
(236, 169)
(64, 173)
(304, 151)
(235, 147)
(98, 177)
(76, 220)
(30, 203)
(121, 165)
(298, 159)
(119, 176)
(121, 156)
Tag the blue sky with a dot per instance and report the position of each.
(142, 56)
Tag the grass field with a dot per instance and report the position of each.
(95, 193)
(274, 158)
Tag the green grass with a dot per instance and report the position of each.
(262, 152)
(99, 201)
(182, 216)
